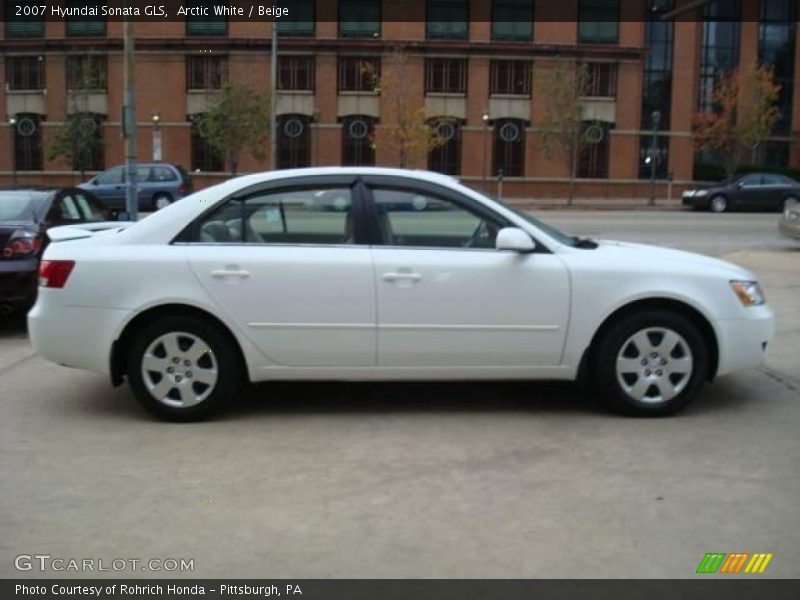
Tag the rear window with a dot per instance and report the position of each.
(18, 207)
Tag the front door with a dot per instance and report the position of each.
(285, 266)
(448, 298)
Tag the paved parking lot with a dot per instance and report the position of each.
(419, 480)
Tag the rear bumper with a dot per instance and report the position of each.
(743, 342)
(18, 281)
(74, 336)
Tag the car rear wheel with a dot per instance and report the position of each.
(161, 201)
(718, 204)
(651, 363)
(183, 368)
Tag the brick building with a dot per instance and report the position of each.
(473, 61)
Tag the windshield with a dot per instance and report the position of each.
(18, 206)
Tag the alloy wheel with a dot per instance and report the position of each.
(654, 365)
(719, 204)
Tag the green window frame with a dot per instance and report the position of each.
(210, 26)
(85, 26)
(23, 27)
(300, 22)
(598, 22)
(359, 18)
(512, 20)
(447, 19)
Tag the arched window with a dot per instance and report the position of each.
(446, 157)
(28, 142)
(358, 141)
(509, 147)
(294, 142)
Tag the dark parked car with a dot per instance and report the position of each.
(25, 217)
(159, 184)
(754, 191)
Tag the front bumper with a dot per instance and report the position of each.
(743, 342)
(74, 336)
(18, 281)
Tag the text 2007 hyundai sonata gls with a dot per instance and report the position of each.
(367, 274)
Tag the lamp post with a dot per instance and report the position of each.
(273, 98)
(315, 121)
(12, 126)
(655, 121)
(157, 153)
(485, 118)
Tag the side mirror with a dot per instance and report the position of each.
(513, 238)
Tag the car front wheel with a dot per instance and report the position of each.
(183, 368)
(651, 363)
(718, 204)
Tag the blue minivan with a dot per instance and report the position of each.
(160, 185)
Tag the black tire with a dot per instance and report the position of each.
(610, 347)
(224, 353)
(718, 204)
(160, 198)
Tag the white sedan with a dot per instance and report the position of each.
(383, 274)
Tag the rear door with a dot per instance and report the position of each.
(292, 272)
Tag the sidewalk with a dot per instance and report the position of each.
(661, 204)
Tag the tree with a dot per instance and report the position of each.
(406, 123)
(563, 85)
(80, 139)
(744, 115)
(237, 121)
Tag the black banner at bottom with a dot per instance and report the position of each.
(401, 589)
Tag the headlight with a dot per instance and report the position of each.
(748, 292)
(701, 193)
(688, 194)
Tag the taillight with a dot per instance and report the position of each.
(182, 188)
(54, 273)
(22, 243)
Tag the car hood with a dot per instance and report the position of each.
(659, 257)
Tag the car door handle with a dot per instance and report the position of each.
(395, 276)
(223, 273)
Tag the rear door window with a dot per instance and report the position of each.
(163, 174)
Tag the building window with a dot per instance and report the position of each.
(508, 152)
(512, 20)
(31, 26)
(299, 21)
(510, 77)
(85, 26)
(360, 18)
(647, 156)
(86, 72)
(205, 157)
(359, 73)
(776, 49)
(294, 142)
(25, 73)
(206, 72)
(447, 19)
(657, 84)
(91, 157)
(719, 52)
(296, 73)
(28, 142)
(210, 25)
(598, 22)
(358, 145)
(601, 80)
(446, 158)
(446, 75)
(593, 161)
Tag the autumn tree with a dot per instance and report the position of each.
(236, 121)
(406, 124)
(744, 115)
(80, 138)
(563, 85)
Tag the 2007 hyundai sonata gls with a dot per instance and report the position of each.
(365, 274)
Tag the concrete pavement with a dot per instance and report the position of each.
(418, 480)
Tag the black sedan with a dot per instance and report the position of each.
(25, 216)
(753, 191)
